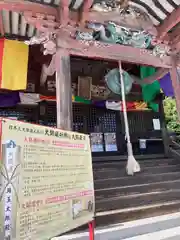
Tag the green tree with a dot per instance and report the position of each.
(171, 115)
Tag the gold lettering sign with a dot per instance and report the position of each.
(46, 181)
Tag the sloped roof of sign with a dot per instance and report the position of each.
(14, 23)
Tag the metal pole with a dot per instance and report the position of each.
(63, 90)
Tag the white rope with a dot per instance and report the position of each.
(132, 165)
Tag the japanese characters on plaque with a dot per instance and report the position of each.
(46, 181)
(9, 152)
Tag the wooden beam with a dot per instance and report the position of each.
(175, 46)
(40, 23)
(169, 23)
(63, 90)
(25, 6)
(85, 10)
(64, 12)
(175, 39)
(1, 24)
(176, 84)
(148, 80)
(114, 52)
(123, 53)
(174, 34)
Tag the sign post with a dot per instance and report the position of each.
(46, 181)
(91, 230)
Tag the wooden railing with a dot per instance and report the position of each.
(175, 147)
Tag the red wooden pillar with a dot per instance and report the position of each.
(176, 84)
(85, 10)
(63, 90)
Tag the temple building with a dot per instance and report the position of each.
(61, 66)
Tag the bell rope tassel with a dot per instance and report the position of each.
(132, 165)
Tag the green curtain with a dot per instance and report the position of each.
(149, 91)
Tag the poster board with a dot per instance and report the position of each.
(96, 142)
(156, 124)
(46, 181)
(110, 142)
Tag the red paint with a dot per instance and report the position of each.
(64, 12)
(40, 23)
(85, 10)
(175, 39)
(169, 23)
(174, 34)
(114, 52)
(91, 230)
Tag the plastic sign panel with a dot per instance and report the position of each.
(110, 142)
(46, 181)
(97, 142)
(156, 124)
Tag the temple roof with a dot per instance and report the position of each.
(158, 10)
(14, 24)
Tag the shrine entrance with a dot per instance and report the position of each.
(93, 113)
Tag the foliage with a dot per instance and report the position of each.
(171, 115)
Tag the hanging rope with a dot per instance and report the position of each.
(132, 165)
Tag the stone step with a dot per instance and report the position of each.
(114, 172)
(136, 179)
(108, 218)
(102, 194)
(145, 163)
(121, 198)
(136, 200)
(111, 218)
